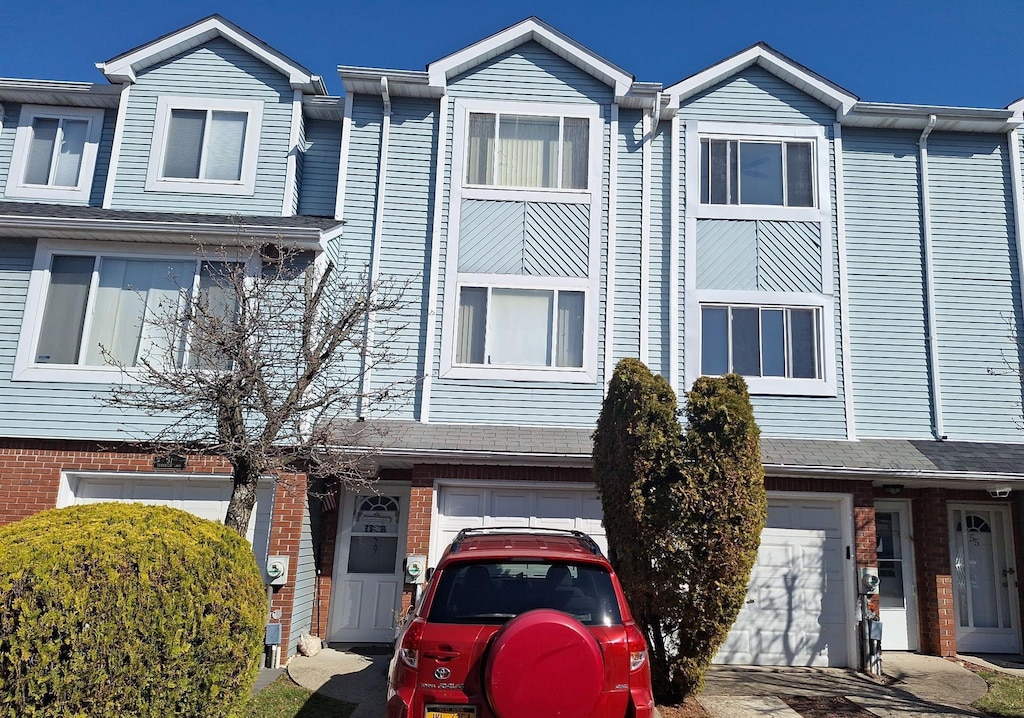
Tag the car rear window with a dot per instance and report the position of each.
(496, 592)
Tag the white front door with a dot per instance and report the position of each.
(984, 578)
(367, 592)
(896, 593)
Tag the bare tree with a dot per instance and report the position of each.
(251, 357)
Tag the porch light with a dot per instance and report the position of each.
(893, 489)
(1001, 493)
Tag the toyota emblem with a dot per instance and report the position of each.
(441, 673)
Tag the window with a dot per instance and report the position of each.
(527, 151)
(520, 327)
(205, 146)
(94, 308)
(757, 172)
(54, 153)
(761, 341)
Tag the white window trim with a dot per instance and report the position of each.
(585, 374)
(826, 386)
(16, 186)
(244, 186)
(454, 280)
(781, 133)
(25, 366)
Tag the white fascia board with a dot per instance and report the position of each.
(131, 230)
(778, 65)
(124, 68)
(525, 31)
(50, 92)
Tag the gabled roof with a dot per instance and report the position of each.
(540, 32)
(124, 67)
(773, 61)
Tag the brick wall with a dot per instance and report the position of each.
(932, 567)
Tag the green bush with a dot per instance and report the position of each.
(124, 609)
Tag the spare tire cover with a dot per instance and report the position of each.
(544, 663)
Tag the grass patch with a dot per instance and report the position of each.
(284, 699)
(1005, 697)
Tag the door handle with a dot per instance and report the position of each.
(442, 655)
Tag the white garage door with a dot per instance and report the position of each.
(797, 611)
(556, 507)
(203, 496)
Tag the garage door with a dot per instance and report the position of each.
(203, 496)
(555, 507)
(797, 611)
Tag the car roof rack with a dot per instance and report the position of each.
(584, 538)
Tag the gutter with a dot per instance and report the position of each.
(929, 281)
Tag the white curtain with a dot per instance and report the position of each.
(69, 159)
(133, 296)
(224, 146)
(528, 149)
(184, 145)
(40, 153)
(480, 152)
(575, 147)
(520, 323)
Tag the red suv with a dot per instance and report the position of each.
(521, 623)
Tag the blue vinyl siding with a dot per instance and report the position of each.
(627, 237)
(217, 69)
(405, 248)
(530, 73)
(886, 284)
(659, 259)
(319, 185)
(756, 95)
(726, 254)
(304, 577)
(300, 156)
(977, 293)
(12, 115)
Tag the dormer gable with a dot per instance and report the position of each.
(766, 57)
(124, 68)
(531, 29)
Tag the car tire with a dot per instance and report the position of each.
(544, 663)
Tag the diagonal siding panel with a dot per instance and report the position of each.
(789, 256)
(491, 237)
(726, 254)
(557, 239)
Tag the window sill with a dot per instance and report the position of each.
(189, 186)
(509, 373)
(758, 211)
(528, 194)
(70, 374)
(57, 194)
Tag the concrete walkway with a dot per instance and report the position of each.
(922, 686)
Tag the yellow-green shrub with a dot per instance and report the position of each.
(124, 609)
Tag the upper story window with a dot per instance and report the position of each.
(761, 341)
(520, 327)
(205, 146)
(55, 153)
(531, 151)
(757, 172)
(94, 310)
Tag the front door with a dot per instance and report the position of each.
(370, 547)
(984, 578)
(896, 594)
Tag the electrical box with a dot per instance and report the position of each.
(415, 569)
(277, 570)
(869, 581)
(273, 636)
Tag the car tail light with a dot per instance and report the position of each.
(637, 647)
(409, 651)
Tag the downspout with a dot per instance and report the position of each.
(648, 122)
(929, 280)
(378, 232)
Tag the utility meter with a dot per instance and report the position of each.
(869, 581)
(277, 570)
(415, 569)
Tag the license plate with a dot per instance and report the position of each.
(451, 712)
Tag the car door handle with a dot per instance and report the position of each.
(442, 655)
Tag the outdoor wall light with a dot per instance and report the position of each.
(1001, 493)
(893, 489)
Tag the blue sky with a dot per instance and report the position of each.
(947, 52)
